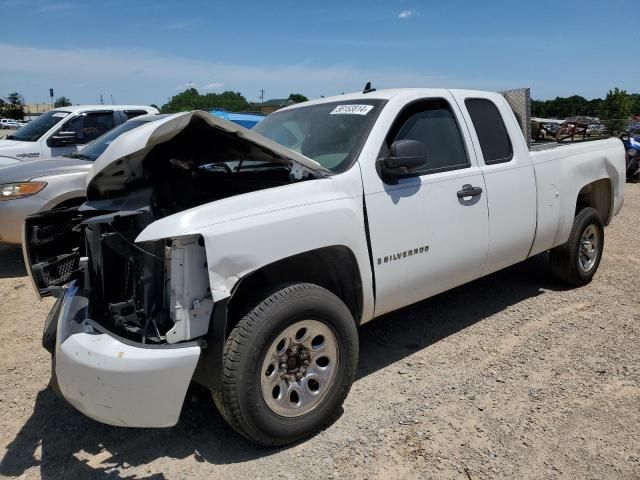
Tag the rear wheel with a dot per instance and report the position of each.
(289, 364)
(577, 261)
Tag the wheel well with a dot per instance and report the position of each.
(334, 268)
(596, 195)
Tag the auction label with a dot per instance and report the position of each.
(351, 110)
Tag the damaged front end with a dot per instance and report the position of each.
(133, 318)
(156, 291)
(151, 293)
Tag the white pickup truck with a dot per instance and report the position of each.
(245, 260)
(63, 130)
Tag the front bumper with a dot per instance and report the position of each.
(114, 380)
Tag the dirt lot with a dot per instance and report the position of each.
(512, 376)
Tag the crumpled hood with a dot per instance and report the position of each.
(282, 200)
(127, 152)
(24, 171)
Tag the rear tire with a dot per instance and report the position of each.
(288, 365)
(577, 261)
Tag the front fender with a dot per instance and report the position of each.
(247, 232)
(4, 161)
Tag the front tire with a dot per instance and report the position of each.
(577, 261)
(289, 364)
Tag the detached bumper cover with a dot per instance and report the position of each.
(113, 380)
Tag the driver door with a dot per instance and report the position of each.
(425, 237)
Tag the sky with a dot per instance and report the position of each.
(144, 51)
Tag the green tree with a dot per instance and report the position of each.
(184, 101)
(14, 107)
(635, 104)
(62, 102)
(232, 101)
(616, 109)
(617, 105)
(191, 99)
(297, 97)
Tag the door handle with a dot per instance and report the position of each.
(469, 191)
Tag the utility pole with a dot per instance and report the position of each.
(262, 95)
(112, 102)
(101, 100)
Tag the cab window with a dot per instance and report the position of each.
(492, 133)
(90, 126)
(433, 123)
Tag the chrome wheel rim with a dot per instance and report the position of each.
(299, 368)
(588, 250)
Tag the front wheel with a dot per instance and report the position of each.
(289, 364)
(577, 261)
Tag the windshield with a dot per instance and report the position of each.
(329, 133)
(33, 130)
(94, 149)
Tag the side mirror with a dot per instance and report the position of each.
(63, 139)
(405, 157)
(625, 137)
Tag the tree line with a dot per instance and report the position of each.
(618, 104)
(191, 99)
(14, 106)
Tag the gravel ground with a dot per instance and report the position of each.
(511, 376)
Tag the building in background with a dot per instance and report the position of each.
(34, 110)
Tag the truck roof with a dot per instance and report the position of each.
(84, 108)
(385, 94)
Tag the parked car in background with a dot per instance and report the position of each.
(54, 183)
(596, 129)
(245, 259)
(632, 148)
(247, 120)
(63, 130)
(8, 123)
(552, 128)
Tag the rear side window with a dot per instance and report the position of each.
(492, 133)
(433, 123)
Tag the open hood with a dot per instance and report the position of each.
(122, 159)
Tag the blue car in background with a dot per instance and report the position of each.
(632, 147)
(247, 120)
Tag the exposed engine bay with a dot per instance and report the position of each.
(149, 292)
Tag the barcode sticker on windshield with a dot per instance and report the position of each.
(351, 110)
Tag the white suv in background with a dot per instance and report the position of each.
(63, 130)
